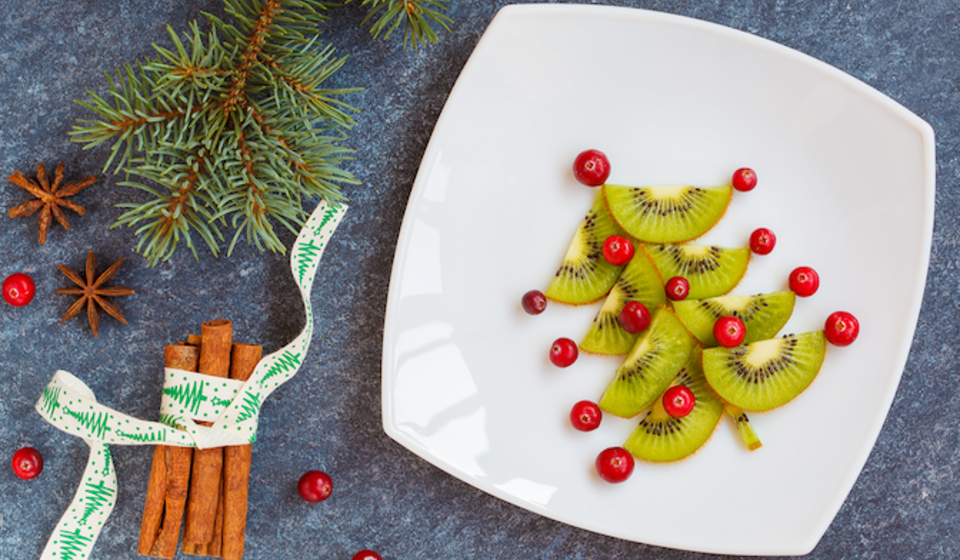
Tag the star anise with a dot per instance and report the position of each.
(93, 293)
(49, 198)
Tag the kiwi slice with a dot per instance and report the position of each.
(711, 270)
(637, 282)
(655, 359)
(765, 374)
(750, 438)
(671, 214)
(661, 437)
(763, 314)
(585, 276)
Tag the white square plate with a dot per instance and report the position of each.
(846, 183)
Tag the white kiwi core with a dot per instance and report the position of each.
(734, 303)
(760, 353)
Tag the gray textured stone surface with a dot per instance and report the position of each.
(904, 505)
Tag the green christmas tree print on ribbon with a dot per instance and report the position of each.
(71, 406)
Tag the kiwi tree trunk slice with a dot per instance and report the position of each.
(712, 271)
(763, 315)
(585, 276)
(654, 361)
(765, 374)
(747, 433)
(637, 282)
(669, 214)
(661, 438)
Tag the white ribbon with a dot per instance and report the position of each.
(233, 406)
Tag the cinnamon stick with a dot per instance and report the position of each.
(236, 464)
(169, 479)
(179, 460)
(213, 548)
(153, 506)
(216, 341)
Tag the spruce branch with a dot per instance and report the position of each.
(226, 129)
(416, 16)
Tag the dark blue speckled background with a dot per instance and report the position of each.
(904, 505)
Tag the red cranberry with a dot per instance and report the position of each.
(366, 555)
(585, 416)
(744, 179)
(678, 288)
(591, 168)
(678, 401)
(563, 352)
(617, 250)
(842, 328)
(804, 281)
(27, 463)
(762, 241)
(729, 331)
(634, 317)
(534, 302)
(315, 486)
(614, 464)
(18, 289)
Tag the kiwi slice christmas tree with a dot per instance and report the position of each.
(637, 282)
(660, 437)
(711, 271)
(653, 362)
(671, 214)
(765, 374)
(682, 388)
(585, 276)
(763, 315)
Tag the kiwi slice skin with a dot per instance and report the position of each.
(661, 438)
(637, 282)
(744, 427)
(765, 374)
(585, 276)
(712, 271)
(763, 315)
(667, 214)
(654, 361)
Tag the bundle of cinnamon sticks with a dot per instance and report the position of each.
(204, 489)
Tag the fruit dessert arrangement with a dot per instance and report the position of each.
(693, 351)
